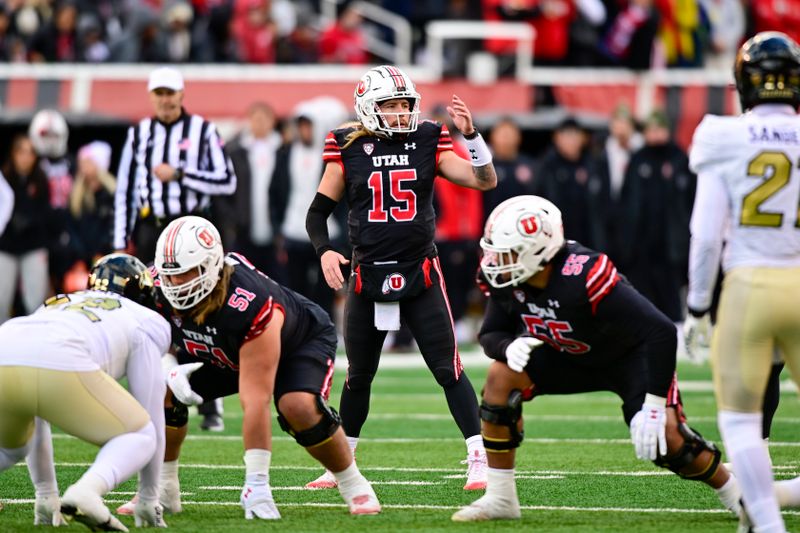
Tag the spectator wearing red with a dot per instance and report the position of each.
(459, 226)
(629, 41)
(344, 41)
(254, 31)
(776, 15)
(550, 18)
(57, 40)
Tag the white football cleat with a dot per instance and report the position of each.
(326, 481)
(361, 499)
(87, 507)
(169, 495)
(477, 471)
(126, 509)
(488, 508)
(149, 514)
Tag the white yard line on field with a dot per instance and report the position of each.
(788, 469)
(301, 488)
(403, 440)
(648, 510)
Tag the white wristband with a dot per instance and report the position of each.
(652, 399)
(256, 461)
(478, 151)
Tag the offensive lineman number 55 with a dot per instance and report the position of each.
(781, 167)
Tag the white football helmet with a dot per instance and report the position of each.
(379, 84)
(521, 235)
(189, 243)
(49, 133)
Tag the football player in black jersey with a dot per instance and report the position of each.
(385, 164)
(561, 320)
(235, 330)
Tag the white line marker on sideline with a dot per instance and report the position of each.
(274, 488)
(453, 507)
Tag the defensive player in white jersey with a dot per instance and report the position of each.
(748, 190)
(61, 364)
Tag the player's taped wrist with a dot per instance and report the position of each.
(479, 153)
(256, 462)
(652, 399)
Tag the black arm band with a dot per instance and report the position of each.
(472, 135)
(317, 223)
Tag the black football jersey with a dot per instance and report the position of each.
(588, 312)
(250, 304)
(389, 188)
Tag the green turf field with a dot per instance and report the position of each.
(576, 470)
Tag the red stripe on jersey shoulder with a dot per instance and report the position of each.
(602, 277)
(445, 142)
(262, 319)
(331, 152)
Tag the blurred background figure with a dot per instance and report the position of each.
(297, 176)
(727, 25)
(459, 217)
(569, 176)
(49, 134)
(622, 141)
(344, 42)
(631, 36)
(514, 169)
(249, 217)
(254, 31)
(655, 207)
(91, 206)
(24, 242)
(57, 39)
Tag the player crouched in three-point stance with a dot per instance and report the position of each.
(60, 365)
(235, 330)
(561, 320)
(748, 185)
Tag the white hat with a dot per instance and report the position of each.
(166, 77)
(97, 151)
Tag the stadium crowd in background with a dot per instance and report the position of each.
(636, 34)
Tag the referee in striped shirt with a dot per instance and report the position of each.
(172, 165)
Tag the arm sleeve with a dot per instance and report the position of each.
(6, 203)
(709, 215)
(497, 331)
(632, 317)
(317, 223)
(124, 196)
(146, 383)
(212, 171)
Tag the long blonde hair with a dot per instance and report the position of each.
(358, 131)
(81, 199)
(215, 300)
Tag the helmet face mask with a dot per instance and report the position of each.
(767, 70)
(125, 275)
(522, 234)
(49, 133)
(189, 244)
(380, 85)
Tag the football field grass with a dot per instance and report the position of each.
(576, 470)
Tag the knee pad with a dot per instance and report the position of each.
(444, 376)
(359, 381)
(694, 444)
(504, 415)
(318, 434)
(176, 416)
